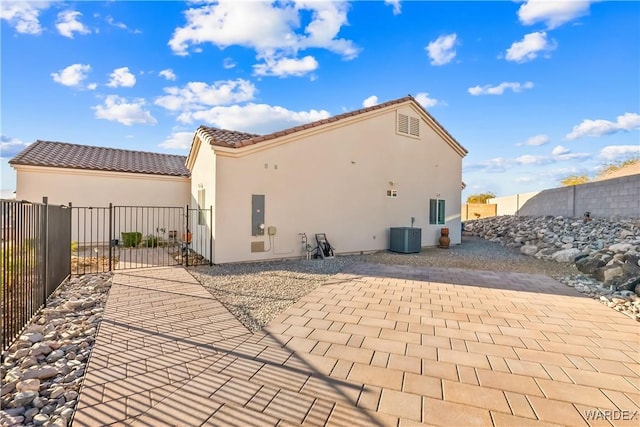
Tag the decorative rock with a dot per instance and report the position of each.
(55, 355)
(621, 247)
(28, 362)
(37, 359)
(566, 255)
(56, 392)
(33, 337)
(589, 265)
(28, 385)
(40, 419)
(40, 373)
(529, 250)
(23, 398)
(608, 273)
(39, 349)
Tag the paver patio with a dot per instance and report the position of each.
(375, 345)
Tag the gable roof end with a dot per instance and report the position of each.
(74, 156)
(233, 139)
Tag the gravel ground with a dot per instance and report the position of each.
(257, 292)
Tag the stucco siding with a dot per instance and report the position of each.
(336, 182)
(203, 177)
(96, 188)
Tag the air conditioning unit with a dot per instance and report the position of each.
(405, 240)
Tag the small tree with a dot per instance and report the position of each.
(480, 198)
(574, 180)
(615, 166)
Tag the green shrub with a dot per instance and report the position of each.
(152, 241)
(131, 239)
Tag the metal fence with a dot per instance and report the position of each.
(35, 253)
(126, 237)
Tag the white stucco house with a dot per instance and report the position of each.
(351, 176)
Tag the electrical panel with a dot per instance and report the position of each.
(257, 215)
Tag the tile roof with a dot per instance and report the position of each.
(74, 156)
(234, 139)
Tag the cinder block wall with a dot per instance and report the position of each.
(618, 197)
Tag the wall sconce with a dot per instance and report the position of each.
(437, 195)
(392, 183)
(200, 186)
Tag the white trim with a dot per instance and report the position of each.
(99, 173)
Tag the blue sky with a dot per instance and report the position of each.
(535, 90)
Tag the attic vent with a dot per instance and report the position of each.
(403, 123)
(408, 125)
(414, 126)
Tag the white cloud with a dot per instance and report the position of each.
(530, 47)
(168, 74)
(23, 15)
(535, 141)
(228, 63)
(495, 165)
(178, 140)
(596, 128)
(122, 77)
(424, 100)
(614, 152)
(68, 23)
(256, 118)
(442, 50)
(499, 90)
(200, 95)
(397, 9)
(73, 76)
(272, 29)
(284, 67)
(121, 25)
(370, 101)
(529, 159)
(552, 13)
(559, 150)
(121, 110)
(9, 147)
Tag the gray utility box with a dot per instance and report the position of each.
(405, 239)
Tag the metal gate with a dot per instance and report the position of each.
(126, 237)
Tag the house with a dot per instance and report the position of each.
(95, 176)
(92, 177)
(351, 176)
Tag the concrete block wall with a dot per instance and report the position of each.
(611, 198)
(619, 197)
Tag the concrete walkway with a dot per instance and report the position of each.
(375, 345)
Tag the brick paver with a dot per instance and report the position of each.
(375, 345)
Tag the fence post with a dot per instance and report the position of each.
(186, 245)
(45, 234)
(211, 235)
(110, 235)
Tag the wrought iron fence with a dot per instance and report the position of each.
(35, 253)
(126, 237)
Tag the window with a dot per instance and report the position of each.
(436, 211)
(392, 193)
(202, 219)
(408, 125)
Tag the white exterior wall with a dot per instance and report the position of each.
(99, 188)
(335, 182)
(203, 176)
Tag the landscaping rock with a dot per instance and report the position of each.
(56, 345)
(605, 251)
(565, 255)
